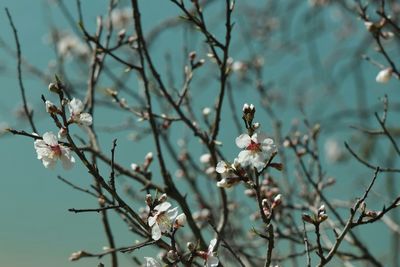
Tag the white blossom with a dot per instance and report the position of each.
(69, 45)
(120, 18)
(162, 219)
(384, 75)
(76, 107)
(49, 151)
(256, 150)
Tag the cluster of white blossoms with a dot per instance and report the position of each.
(163, 219)
(257, 149)
(48, 149)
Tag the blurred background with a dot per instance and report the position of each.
(312, 55)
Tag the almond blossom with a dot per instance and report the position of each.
(256, 150)
(76, 107)
(69, 45)
(163, 219)
(49, 151)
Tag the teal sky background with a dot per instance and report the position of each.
(35, 227)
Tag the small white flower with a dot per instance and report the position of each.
(76, 107)
(245, 107)
(256, 151)
(151, 262)
(49, 151)
(205, 158)
(69, 45)
(162, 219)
(120, 18)
(384, 75)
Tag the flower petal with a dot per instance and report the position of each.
(243, 140)
(67, 161)
(152, 220)
(49, 163)
(212, 261)
(213, 242)
(50, 139)
(162, 207)
(244, 158)
(172, 213)
(221, 167)
(85, 119)
(75, 106)
(156, 232)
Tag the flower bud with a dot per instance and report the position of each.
(172, 255)
(384, 75)
(162, 198)
(50, 107)
(62, 133)
(149, 200)
(135, 167)
(205, 158)
(53, 87)
(190, 246)
(192, 55)
(206, 111)
(180, 220)
(77, 255)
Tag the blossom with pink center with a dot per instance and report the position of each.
(162, 219)
(76, 108)
(256, 150)
(49, 151)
